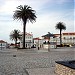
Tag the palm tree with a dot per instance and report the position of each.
(15, 35)
(25, 14)
(61, 26)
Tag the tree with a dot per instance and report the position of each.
(26, 14)
(61, 26)
(15, 35)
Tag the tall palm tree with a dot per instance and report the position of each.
(15, 35)
(24, 13)
(61, 26)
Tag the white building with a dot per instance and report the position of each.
(67, 38)
(3, 44)
(28, 40)
(57, 38)
(49, 41)
(38, 42)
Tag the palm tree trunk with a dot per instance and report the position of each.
(15, 43)
(60, 37)
(24, 31)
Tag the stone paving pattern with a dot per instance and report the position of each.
(33, 62)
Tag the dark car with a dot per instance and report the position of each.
(33, 46)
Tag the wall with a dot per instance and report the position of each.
(63, 70)
(3, 45)
(28, 41)
(46, 46)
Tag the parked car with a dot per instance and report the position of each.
(33, 46)
(67, 45)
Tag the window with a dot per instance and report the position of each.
(70, 37)
(73, 37)
(64, 38)
(30, 37)
(0, 44)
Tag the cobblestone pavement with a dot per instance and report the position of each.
(32, 62)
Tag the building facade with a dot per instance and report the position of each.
(67, 38)
(52, 39)
(49, 41)
(38, 42)
(28, 40)
(3, 44)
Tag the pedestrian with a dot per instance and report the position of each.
(38, 48)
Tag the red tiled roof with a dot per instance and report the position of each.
(27, 34)
(14, 44)
(70, 33)
(57, 35)
(66, 33)
(1, 41)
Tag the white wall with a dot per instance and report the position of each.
(3, 45)
(68, 39)
(28, 41)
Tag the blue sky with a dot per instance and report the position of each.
(48, 13)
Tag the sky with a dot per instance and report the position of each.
(48, 12)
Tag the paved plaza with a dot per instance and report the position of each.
(33, 61)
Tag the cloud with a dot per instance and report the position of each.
(2, 2)
(47, 21)
(46, 17)
(10, 5)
